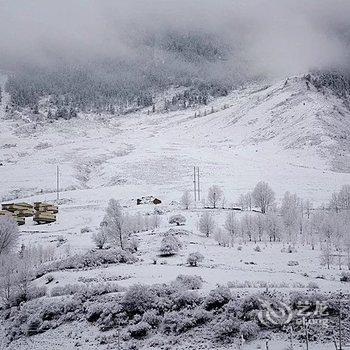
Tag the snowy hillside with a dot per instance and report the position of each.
(289, 134)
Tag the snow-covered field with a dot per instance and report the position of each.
(284, 134)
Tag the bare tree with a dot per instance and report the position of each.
(9, 234)
(242, 202)
(344, 197)
(114, 224)
(222, 237)
(186, 200)
(291, 212)
(231, 226)
(259, 227)
(247, 224)
(248, 199)
(327, 255)
(215, 194)
(273, 227)
(263, 196)
(206, 224)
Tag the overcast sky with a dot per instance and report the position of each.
(274, 37)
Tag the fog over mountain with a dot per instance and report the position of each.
(137, 45)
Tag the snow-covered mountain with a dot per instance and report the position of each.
(291, 133)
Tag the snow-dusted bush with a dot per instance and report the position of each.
(106, 315)
(177, 231)
(87, 291)
(152, 318)
(176, 322)
(194, 258)
(177, 219)
(38, 316)
(186, 200)
(138, 299)
(217, 298)
(227, 328)
(293, 263)
(201, 316)
(170, 245)
(132, 245)
(188, 282)
(257, 249)
(186, 299)
(9, 234)
(100, 239)
(345, 276)
(249, 330)
(206, 224)
(92, 258)
(250, 304)
(139, 330)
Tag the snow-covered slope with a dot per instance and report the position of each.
(289, 134)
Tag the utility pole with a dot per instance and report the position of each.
(58, 182)
(306, 333)
(199, 190)
(194, 184)
(340, 335)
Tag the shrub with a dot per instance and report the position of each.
(139, 330)
(250, 304)
(177, 231)
(226, 328)
(138, 299)
(188, 282)
(85, 291)
(217, 298)
(293, 263)
(249, 330)
(176, 322)
(194, 258)
(170, 245)
(186, 299)
(94, 258)
(345, 276)
(201, 316)
(9, 234)
(177, 219)
(152, 318)
(100, 239)
(257, 249)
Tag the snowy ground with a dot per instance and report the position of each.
(282, 134)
